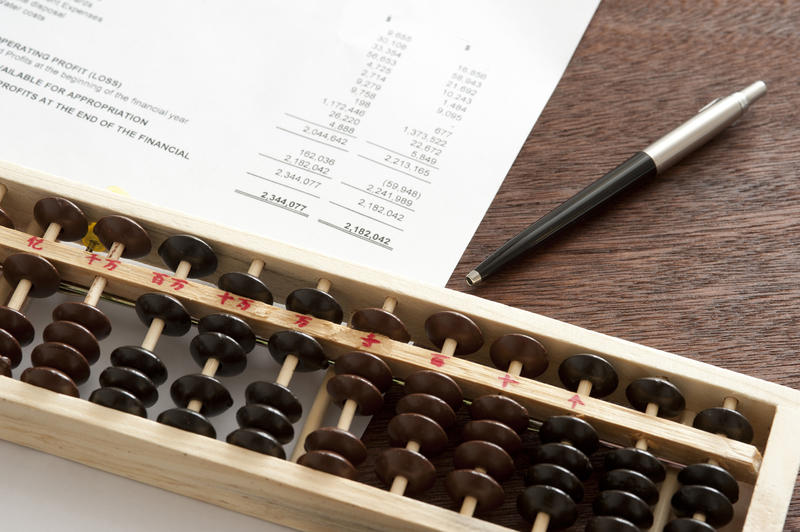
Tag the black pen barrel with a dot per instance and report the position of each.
(637, 167)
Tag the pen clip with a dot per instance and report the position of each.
(709, 104)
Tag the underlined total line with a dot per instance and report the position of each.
(360, 237)
(263, 200)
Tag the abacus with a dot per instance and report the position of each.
(688, 446)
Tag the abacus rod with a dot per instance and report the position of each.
(23, 288)
(515, 368)
(315, 414)
(652, 411)
(389, 304)
(209, 369)
(99, 282)
(153, 334)
(663, 508)
(584, 388)
(287, 370)
(400, 482)
(323, 285)
(256, 267)
(347, 415)
(541, 523)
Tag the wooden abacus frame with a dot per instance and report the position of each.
(289, 494)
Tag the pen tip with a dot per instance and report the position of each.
(473, 278)
(754, 91)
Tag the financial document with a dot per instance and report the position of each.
(377, 132)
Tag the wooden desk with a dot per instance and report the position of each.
(703, 261)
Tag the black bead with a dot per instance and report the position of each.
(566, 456)
(245, 285)
(632, 481)
(724, 421)
(141, 359)
(713, 504)
(257, 441)
(231, 357)
(179, 248)
(591, 368)
(572, 429)
(118, 399)
(132, 381)
(275, 395)
(610, 523)
(267, 419)
(623, 504)
(637, 460)
(315, 303)
(17, 325)
(556, 476)
(554, 502)
(666, 395)
(215, 398)
(301, 345)
(187, 420)
(154, 305)
(229, 325)
(688, 525)
(712, 476)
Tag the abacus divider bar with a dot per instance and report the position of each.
(287, 370)
(315, 415)
(99, 282)
(209, 369)
(400, 482)
(348, 413)
(256, 267)
(470, 503)
(23, 288)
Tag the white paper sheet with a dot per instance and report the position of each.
(374, 131)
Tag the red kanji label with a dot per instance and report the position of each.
(575, 400)
(35, 242)
(438, 359)
(244, 304)
(177, 284)
(225, 297)
(159, 278)
(92, 258)
(368, 340)
(302, 321)
(507, 379)
(111, 264)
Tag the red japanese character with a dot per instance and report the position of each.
(159, 278)
(368, 340)
(92, 258)
(244, 303)
(35, 242)
(111, 264)
(302, 321)
(224, 298)
(177, 284)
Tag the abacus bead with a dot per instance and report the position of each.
(5, 366)
(669, 399)
(435, 383)
(483, 487)
(73, 334)
(329, 462)
(258, 441)
(488, 456)
(245, 285)
(5, 220)
(417, 470)
(623, 504)
(631, 481)
(421, 429)
(90, 317)
(688, 525)
(380, 321)
(552, 501)
(572, 429)
(10, 348)
(214, 396)
(227, 351)
(15, 323)
(592, 368)
(141, 359)
(610, 523)
(449, 324)
(304, 347)
(315, 303)
(188, 420)
(724, 421)
(43, 276)
(427, 405)
(556, 476)
(492, 431)
(712, 476)
(63, 212)
(275, 395)
(118, 399)
(62, 357)
(229, 325)
(502, 409)
(115, 228)
(177, 321)
(180, 248)
(692, 499)
(132, 381)
(50, 378)
(267, 419)
(364, 393)
(521, 348)
(338, 441)
(636, 460)
(365, 365)
(566, 456)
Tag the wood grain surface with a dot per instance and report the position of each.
(702, 261)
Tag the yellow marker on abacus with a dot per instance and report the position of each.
(91, 241)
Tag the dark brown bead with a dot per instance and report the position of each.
(221, 347)
(5, 366)
(712, 476)
(725, 421)
(521, 348)
(258, 441)
(5, 220)
(623, 504)
(329, 462)
(63, 212)
(214, 396)
(10, 348)
(417, 470)
(267, 419)
(15, 323)
(73, 334)
(132, 381)
(303, 346)
(591, 368)
(339, 441)
(500, 408)
(427, 405)
(43, 276)
(180, 248)
(365, 365)
(421, 429)
(483, 487)
(62, 357)
(379, 321)
(140, 359)
(435, 383)
(493, 431)
(364, 393)
(552, 501)
(631, 481)
(229, 325)
(274, 395)
(188, 420)
(118, 399)
(115, 228)
(449, 324)
(636, 460)
(177, 321)
(488, 456)
(713, 504)
(666, 395)
(315, 303)
(90, 317)
(609, 523)
(556, 476)
(245, 285)
(576, 431)
(687, 524)
(564, 455)
(50, 378)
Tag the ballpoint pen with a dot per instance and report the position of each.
(653, 160)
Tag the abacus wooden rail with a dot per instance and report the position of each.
(245, 481)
